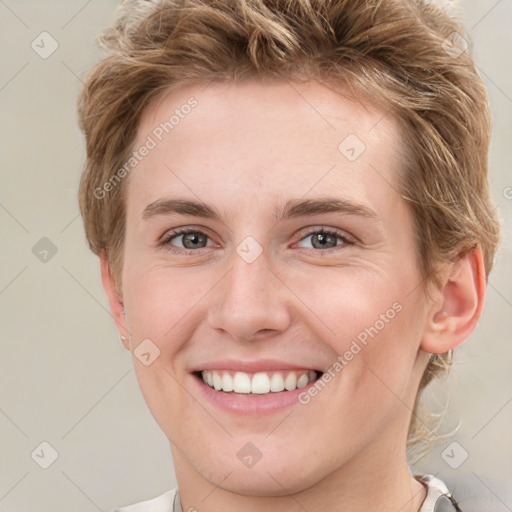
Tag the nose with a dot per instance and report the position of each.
(251, 301)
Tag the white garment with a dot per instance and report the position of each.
(162, 503)
(169, 501)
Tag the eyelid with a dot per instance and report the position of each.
(180, 230)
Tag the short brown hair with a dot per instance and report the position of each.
(406, 55)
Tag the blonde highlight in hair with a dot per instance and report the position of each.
(391, 52)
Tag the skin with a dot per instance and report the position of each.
(244, 149)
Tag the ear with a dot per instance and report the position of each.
(114, 299)
(454, 315)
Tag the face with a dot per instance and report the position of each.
(299, 261)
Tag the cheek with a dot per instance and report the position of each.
(164, 306)
(158, 300)
(370, 322)
(350, 303)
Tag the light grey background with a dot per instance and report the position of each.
(65, 378)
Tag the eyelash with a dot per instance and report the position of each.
(166, 240)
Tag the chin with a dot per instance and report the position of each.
(261, 483)
(277, 476)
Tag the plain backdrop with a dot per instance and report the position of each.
(65, 379)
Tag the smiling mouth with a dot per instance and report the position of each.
(259, 383)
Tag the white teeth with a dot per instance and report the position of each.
(277, 382)
(241, 383)
(302, 380)
(217, 381)
(290, 383)
(260, 383)
(227, 382)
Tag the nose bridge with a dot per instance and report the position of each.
(251, 297)
(250, 278)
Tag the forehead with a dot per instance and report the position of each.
(279, 138)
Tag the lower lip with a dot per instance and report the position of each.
(251, 404)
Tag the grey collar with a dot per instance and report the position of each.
(177, 503)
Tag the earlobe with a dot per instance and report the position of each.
(455, 315)
(114, 299)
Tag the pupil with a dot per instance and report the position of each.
(323, 239)
(192, 237)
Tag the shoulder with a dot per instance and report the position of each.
(162, 503)
(438, 497)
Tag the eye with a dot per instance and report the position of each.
(191, 240)
(326, 239)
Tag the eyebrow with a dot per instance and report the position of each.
(293, 208)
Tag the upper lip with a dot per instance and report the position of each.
(253, 366)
